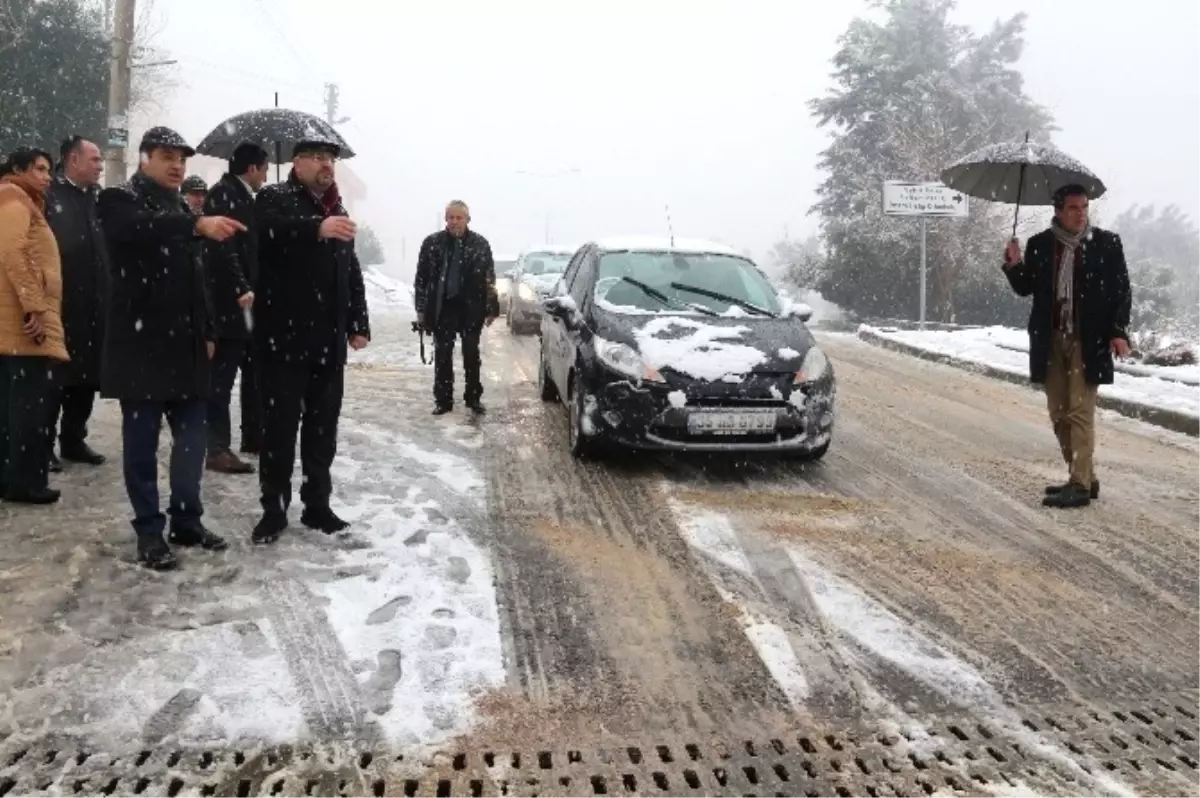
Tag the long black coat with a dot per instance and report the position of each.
(310, 295)
(232, 264)
(1102, 301)
(478, 279)
(158, 317)
(71, 213)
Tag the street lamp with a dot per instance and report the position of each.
(549, 176)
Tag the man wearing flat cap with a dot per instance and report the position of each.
(159, 339)
(310, 305)
(195, 190)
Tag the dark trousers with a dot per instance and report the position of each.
(226, 360)
(453, 321)
(73, 403)
(252, 432)
(25, 385)
(306, 397)
(141, 422)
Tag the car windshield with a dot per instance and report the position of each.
(705, 283)
(546, 263)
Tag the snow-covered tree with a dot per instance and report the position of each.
(913, 93)
(54, 57)
(798, 262)
(54, 71)
(1162, 249)
(368, 247)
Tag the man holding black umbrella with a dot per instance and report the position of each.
(311, 303)
(159, 340)
(1079, 282)
(232, 270)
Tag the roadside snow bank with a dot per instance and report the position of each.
(384, 292)
(1171, 388)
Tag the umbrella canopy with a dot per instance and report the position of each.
(1024, 173)
(277, 130)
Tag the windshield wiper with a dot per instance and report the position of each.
(666, 300)
(741, 303)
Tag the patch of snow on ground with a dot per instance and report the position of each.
(417, 612)
(773, 647)
(713, 536)
(703, 351)
(227, 682)
(1006, 349)
(385, 293)
(858, 616)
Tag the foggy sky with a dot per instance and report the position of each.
(691, 104)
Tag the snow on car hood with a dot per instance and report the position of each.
(709, 348)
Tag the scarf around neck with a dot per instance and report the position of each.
(1065, 285)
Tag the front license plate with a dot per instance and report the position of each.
(731, 423)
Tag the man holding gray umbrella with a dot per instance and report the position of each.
(1079, 282)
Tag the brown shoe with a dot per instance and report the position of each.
(228, 463)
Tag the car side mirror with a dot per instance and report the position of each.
(556, 306)
(805, 312)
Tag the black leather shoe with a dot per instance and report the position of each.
(268, 529)
(196, 535)
(323, 519)
(441, 410)
(1070, 496)
(31, 496)
(82, 453)
(155, 554)
(1052, 490)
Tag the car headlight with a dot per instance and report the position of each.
(813, 367)
(527, 292)
(625, 359)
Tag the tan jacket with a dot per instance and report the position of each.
(30, 276)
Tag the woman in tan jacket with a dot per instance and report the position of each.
(31, 331)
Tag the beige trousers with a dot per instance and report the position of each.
(1072, 404)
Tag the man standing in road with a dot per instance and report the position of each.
(1081, 301)
(71, 213)
(455, 294)
(159, 340)
(232, 270)
(310, 304)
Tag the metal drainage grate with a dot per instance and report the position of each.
(1151, 748)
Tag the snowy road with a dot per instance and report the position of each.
(498, 596)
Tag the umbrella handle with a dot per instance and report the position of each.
(1020, 188)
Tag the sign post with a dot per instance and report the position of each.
(924, 201)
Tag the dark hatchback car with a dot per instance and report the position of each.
(682, 346)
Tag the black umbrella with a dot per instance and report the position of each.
(1020, 173)
(277, 130)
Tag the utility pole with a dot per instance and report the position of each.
(118, 92)
(331, 105)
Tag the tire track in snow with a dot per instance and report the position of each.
(320, 668)
(574, 625)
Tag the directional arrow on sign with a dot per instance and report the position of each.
(958, 197)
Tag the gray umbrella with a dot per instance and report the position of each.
(277, 130)
(1020, 173)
